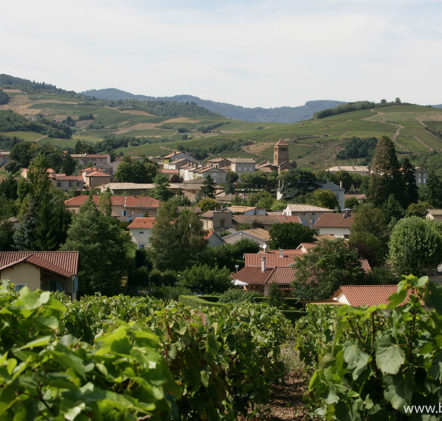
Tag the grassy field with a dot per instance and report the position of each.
(312, 143)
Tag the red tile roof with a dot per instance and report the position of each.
(169, 171)
(285, 252)
(282, 276)
(64, 263)
(334, 220)
(272, 260)
(125, 201)
(254, 275)
(142, 222)
(367, 295)
(97, 174)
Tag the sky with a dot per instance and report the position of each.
(265, 53)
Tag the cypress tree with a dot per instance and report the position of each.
(386, 177)
(408, 171)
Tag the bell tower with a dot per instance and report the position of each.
(280, 153)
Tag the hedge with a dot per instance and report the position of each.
(198, 301)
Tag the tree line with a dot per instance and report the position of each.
(11, 121)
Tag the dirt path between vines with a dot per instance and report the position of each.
(286, 403)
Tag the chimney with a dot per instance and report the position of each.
(341, 184)
(236, 268)
(263, 264)
(280, 253)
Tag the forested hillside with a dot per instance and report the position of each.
(257, 114)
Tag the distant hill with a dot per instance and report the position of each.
(258, 114)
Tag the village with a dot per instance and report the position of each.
(226, 215)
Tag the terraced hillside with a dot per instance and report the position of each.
(315, 143)
(94, 120)
(160, 128)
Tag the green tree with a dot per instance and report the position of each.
(105, 202)
(103, 247)
(229, 255)
(22, 153)
(133, 171)
(68, 164)
(6, 235)
(208, 187)
(369, 233)
(369, 247)
(276, 299)
(323, 198)
(180, 199)
(43, 216)
(161, 190)
(351, 203)
(288, 235)
(205, 279)
(432, 192)
(177, 239)
(386, 176)
(327, 266)
(231, 178)
(418, 209)
(254, 180)
(261, 199)
(408, 174)
(296, 182)
(391, 211)
(369, 219)
(8, 187)
(415, 246)
(207, 204)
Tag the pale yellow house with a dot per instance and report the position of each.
(47, 270)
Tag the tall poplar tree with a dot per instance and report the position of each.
(386, 177)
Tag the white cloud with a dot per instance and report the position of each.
(254, 53)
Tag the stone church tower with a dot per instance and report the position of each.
(281, 153)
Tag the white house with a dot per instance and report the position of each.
(352, 169)
(140, 230)
(308, 214)
(336, 224)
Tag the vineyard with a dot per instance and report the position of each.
(125, 358)
(138, 358)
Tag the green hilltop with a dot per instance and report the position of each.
(135, 127)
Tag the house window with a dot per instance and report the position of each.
(141, 232)
(18, 287)
(222, 223)
(124, 212)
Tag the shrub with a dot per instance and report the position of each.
(238, 296)
(205, 279)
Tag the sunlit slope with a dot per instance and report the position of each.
(315, 143)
